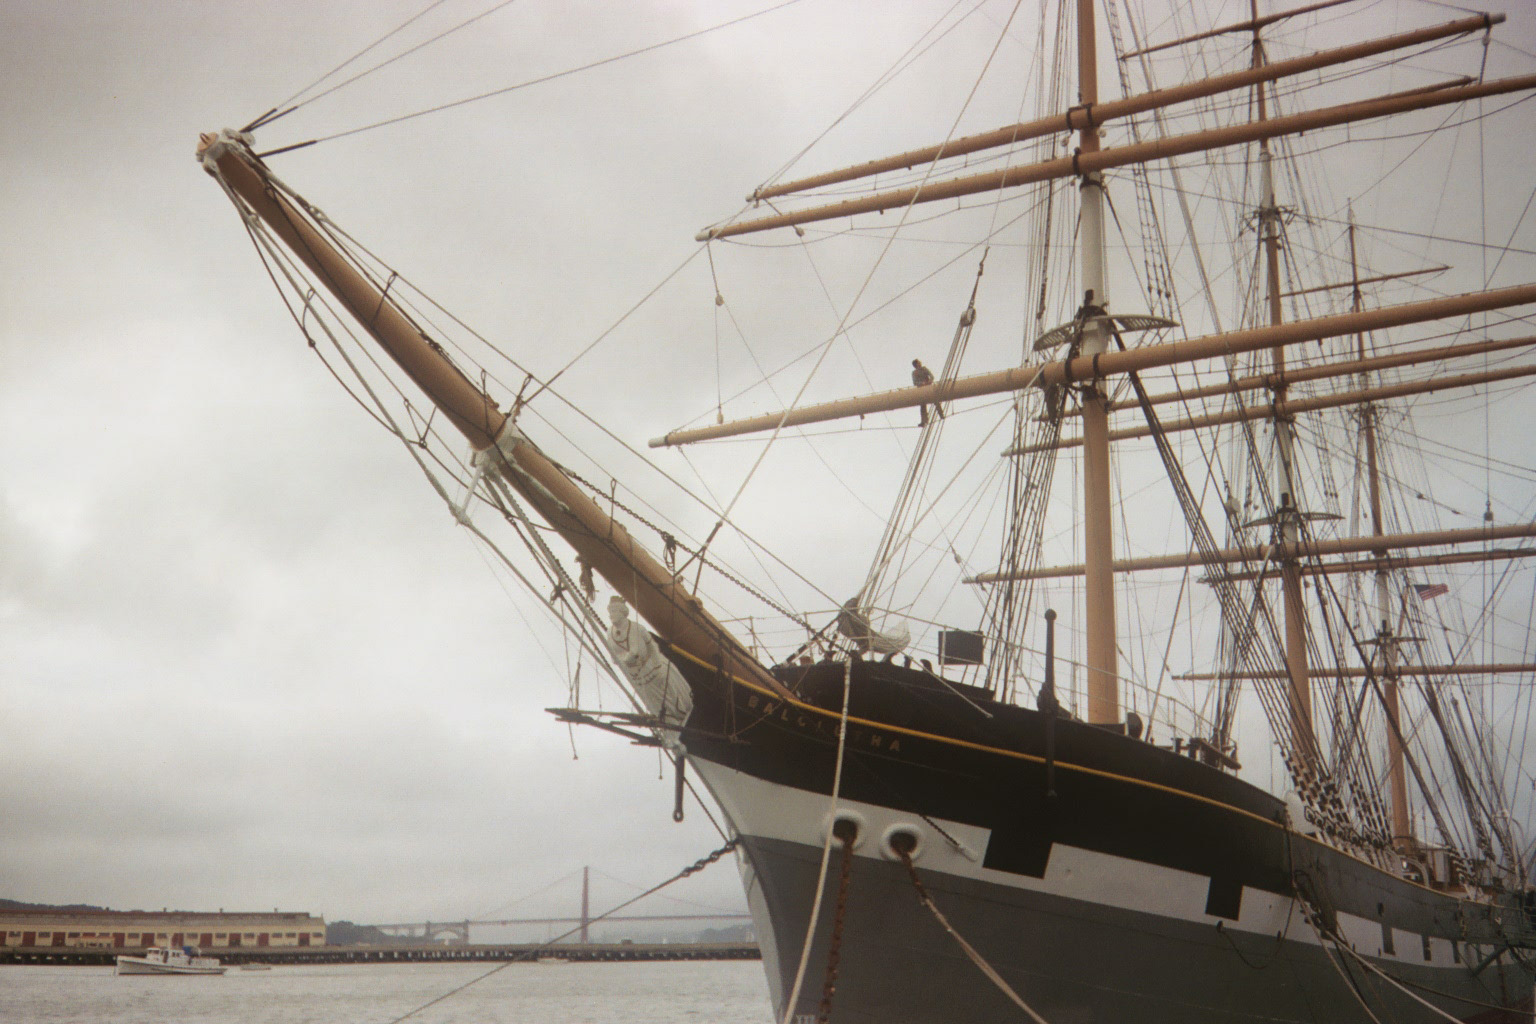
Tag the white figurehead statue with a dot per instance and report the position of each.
(634, 643)
(658, 684)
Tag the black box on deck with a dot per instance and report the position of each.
(960, 647)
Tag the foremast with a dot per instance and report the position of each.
(500, 447)
(1100, 656)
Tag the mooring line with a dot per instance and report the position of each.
(696, 866)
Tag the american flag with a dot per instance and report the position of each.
(1429, 590)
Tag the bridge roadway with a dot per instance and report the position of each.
(291, 955)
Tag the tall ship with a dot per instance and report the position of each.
(1187, 676)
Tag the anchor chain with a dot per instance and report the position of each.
(845, 831)
(700, 864)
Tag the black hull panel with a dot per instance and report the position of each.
(1113, 879)
(1073, 962)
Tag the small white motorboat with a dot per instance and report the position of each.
(170, 961)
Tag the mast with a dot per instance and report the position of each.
(1100, 658)
(1288, 506)
(1386, 641)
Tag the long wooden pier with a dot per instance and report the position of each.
(289, 955)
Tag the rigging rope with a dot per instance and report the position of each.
(272, 113)
(376, 272)
(899, 530)
(906, 212)
(905, 60)
(534, 81)
(826, 847)
(1007, 607)
(1346, 949)
(565, 590)
(275, 113)
(694, 868)
(970, 951)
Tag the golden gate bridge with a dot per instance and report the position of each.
(458, 931)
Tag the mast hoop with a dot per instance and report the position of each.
(1088, 121)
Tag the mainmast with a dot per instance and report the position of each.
(1098, 537)
(1386, 640)
(1288, 507)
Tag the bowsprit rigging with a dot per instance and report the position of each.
(1089, 843)
(293, 103)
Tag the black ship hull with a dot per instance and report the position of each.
(1102, 877)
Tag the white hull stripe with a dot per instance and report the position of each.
(762, 809)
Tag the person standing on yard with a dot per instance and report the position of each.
(922, 377)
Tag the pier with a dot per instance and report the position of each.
(617, 952)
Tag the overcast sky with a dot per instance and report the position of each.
(246, 659)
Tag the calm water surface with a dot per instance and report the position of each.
(523, 993)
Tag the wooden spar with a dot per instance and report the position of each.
(1133, 153)
(1386, 639)
(1075, 118)
(1251, 25)
(1288, 507)
(1287, 407)
(1391, 562)
(1377, 279)
(662, 600)
(1101, 655)
(1324, 371)
(1492, 669)
(1258, 553)
(1146, 357)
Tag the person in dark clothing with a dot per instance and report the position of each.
(922, 377)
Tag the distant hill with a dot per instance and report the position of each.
(733, 933)
(345, 933)
(77, 908)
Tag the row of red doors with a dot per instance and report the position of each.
(206, 939)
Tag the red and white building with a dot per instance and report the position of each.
(139, 929)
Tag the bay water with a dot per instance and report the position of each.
(716, 992)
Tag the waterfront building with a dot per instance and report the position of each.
(139, 929)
